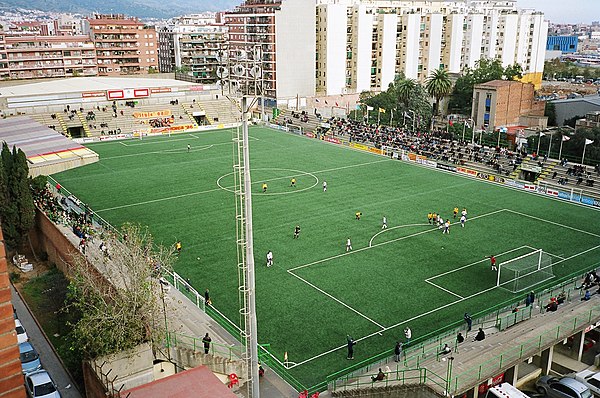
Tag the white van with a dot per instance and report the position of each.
(505, 390)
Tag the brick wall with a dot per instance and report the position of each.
(11, 378)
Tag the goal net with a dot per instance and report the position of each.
(391, 152)
(525, 271)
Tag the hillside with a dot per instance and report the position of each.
(138, 8)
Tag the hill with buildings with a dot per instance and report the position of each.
(138, 8)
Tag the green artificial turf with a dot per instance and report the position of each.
(316, 294)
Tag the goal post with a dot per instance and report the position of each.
(523, 272)
(394, 153)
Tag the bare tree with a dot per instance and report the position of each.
(116, 294)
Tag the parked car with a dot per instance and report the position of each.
(39, 384)
(21, 333)
(566, 387)
(30, 360)
(591, 379)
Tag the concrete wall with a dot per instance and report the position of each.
(11, 378)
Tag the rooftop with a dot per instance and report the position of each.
(198, 382)
(85, 84)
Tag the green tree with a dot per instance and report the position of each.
(16, 202)
(22, 196)
(8, 212)
(404, 89)
(438, 86)
(485, 70)
(125, 306)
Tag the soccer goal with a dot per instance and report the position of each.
(523, 272)
(394, 153)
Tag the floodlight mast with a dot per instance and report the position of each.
(250, 324)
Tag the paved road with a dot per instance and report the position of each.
(50, 361)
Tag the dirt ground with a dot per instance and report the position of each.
(39, 267)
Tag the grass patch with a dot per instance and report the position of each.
(45, 295)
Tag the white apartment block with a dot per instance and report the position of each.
(361, 45)
(272, 44)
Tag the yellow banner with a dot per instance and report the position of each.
(360, 146)
(147, 115)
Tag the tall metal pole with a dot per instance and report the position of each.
(550, 144)
(561, 144)
(251, 328)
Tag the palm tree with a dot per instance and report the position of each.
(438, 86)
(405, 90)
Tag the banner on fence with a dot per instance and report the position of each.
(171, 129)
(446, 167)
(359, 146)
(151, 114)
(463, 170)
(333, 140)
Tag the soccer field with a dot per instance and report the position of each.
(409, 274)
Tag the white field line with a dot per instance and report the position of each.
(337, 300)
(429, 312)
(157, 200)
(122, 143)
(476, 262)
(220, 189)
(166, 151)
(195, 136)
(384, 243)
(398, 226)
(152, 141)
(553, 223)
(444, 289)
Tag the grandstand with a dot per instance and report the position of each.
(286, 117)
(47, 151)
(100, 107)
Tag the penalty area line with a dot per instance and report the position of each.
(444, 289)
(337, 300)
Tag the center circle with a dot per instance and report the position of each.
(294, 174)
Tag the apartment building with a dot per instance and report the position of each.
(124, 45)
(272, 47)
(505, 103)
(32, 56)
(195, 45)
(362, 45)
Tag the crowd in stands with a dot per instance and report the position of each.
(437, 144)
(58, 210)
(161, 122)
(303, 116)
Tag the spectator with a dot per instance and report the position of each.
(397, 351)
(469, 321)
(459, 338)
(480, 335)
(586, 296)
(380, 376)
(552, 305)
(445, 350)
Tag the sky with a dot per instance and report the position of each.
(565, 11)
